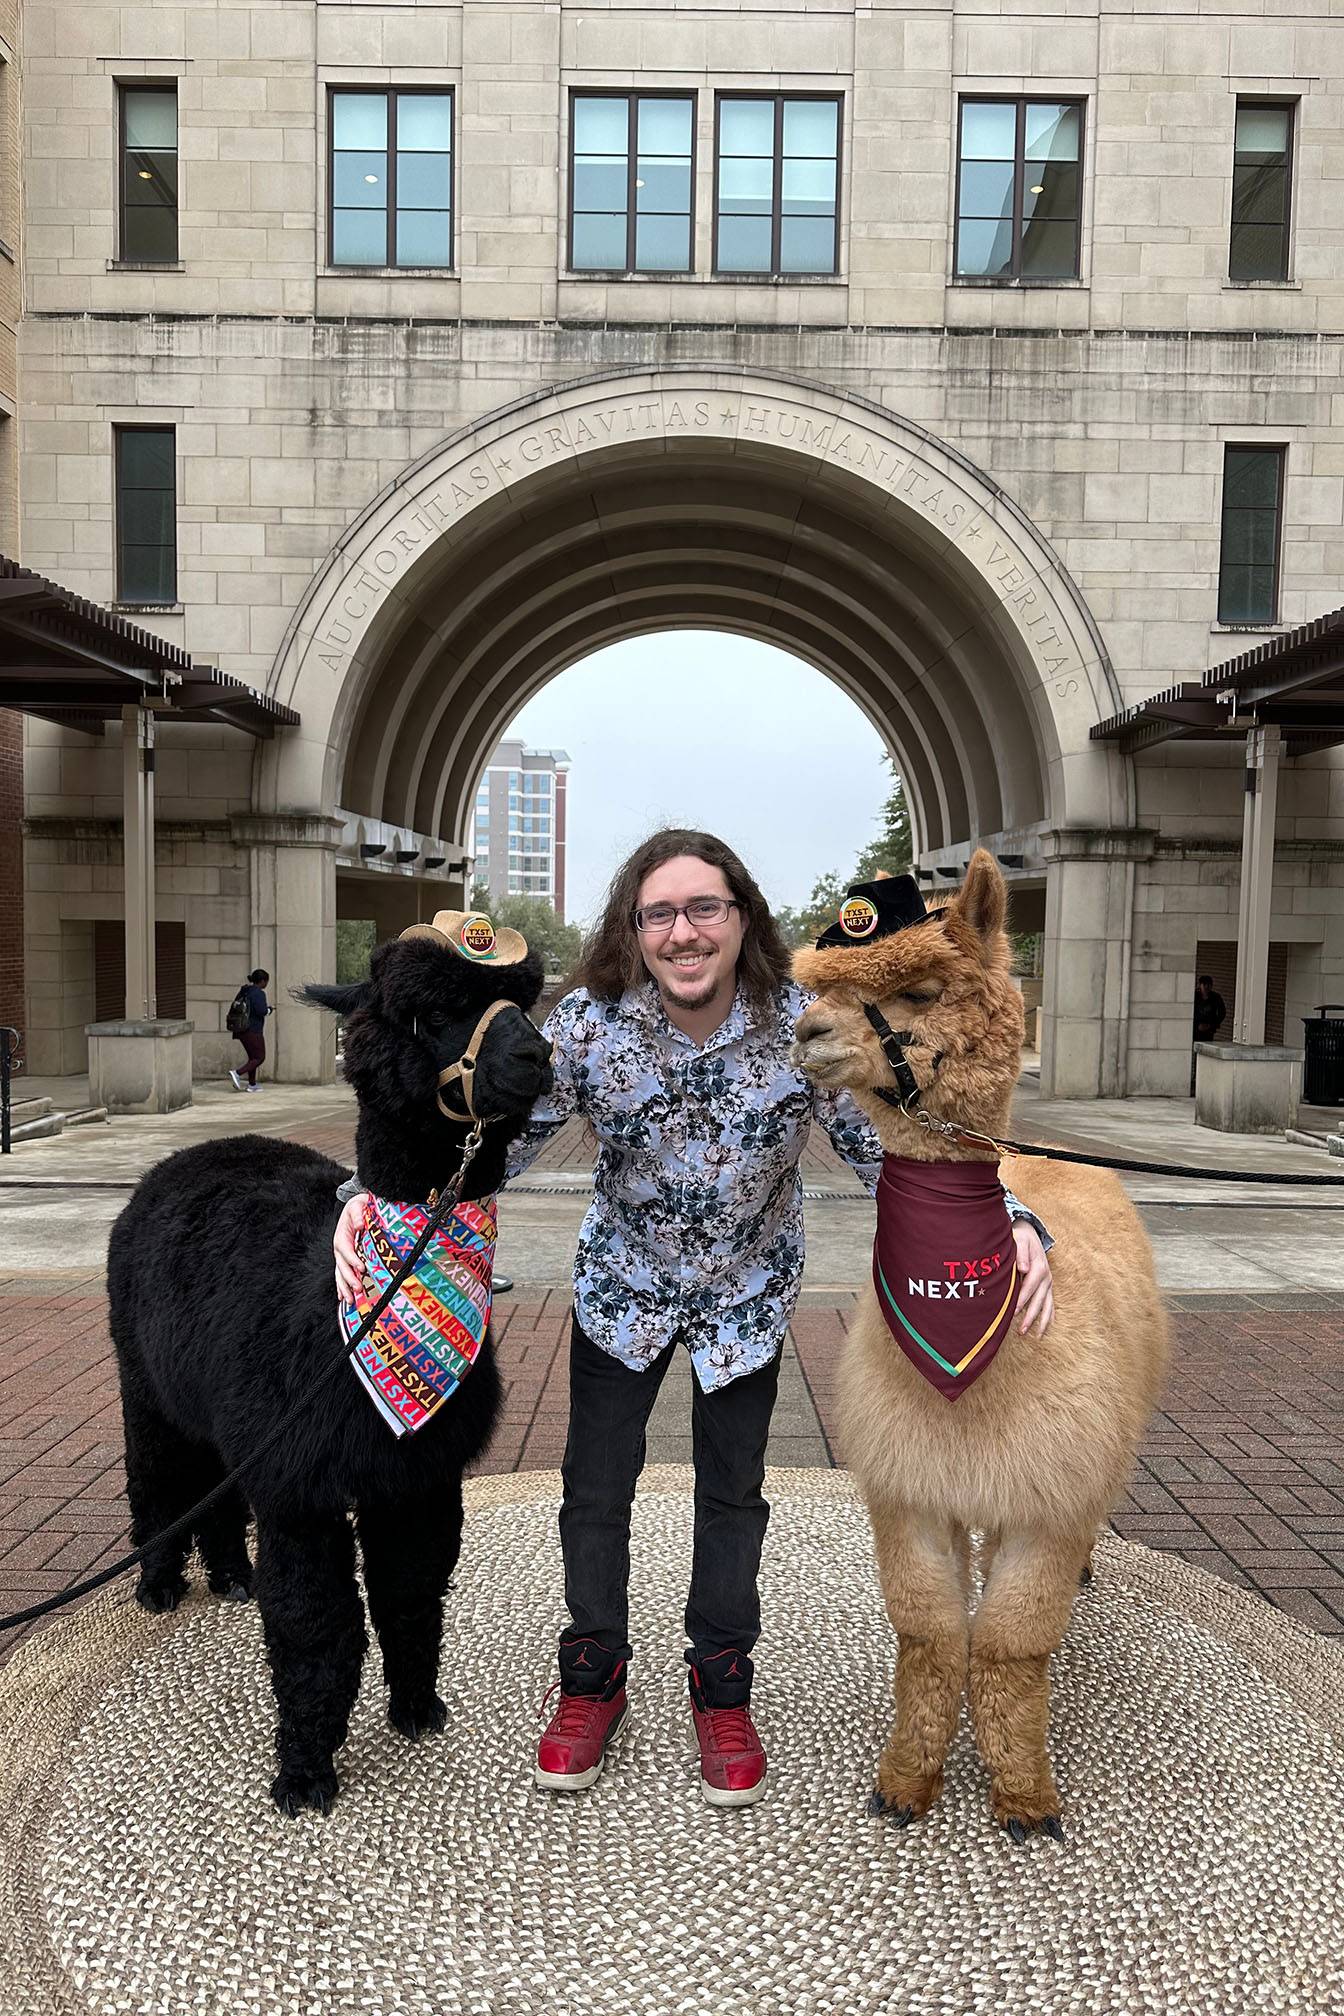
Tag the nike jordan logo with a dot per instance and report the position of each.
(733, 1671)
(582, 1659)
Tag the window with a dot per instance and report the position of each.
(149, 173)
(146, 477)
(777, 177)
(1248, 576)
(1018, 186)
(1261, 180)
(630, 206)
(391, 178)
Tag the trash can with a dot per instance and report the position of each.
(1323, 1063)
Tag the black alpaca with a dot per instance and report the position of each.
(223, 1311)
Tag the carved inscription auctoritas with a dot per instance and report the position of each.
(506, 464)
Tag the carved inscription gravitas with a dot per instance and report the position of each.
(827, 438)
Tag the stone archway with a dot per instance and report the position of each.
(695, 496)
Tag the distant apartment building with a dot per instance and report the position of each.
(518, 824)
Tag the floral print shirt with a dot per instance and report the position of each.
(696, 1225)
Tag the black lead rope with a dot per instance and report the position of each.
(447, 1202)
(1171, 1168)
(907, 1095)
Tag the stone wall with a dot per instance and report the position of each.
(299, 393)
(11, 238)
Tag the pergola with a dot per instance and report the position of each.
(1285, 698)
(70, 661)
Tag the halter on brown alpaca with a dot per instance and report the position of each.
(1037, 1450)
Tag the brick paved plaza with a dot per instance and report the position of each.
(1242, 1472)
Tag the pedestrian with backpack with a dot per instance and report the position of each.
(246, 1020)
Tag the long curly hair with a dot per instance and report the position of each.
(611, 962)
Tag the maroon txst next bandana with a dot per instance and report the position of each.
(944, 1266)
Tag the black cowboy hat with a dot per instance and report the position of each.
(875, 910)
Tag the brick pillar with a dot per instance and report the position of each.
(11, 869)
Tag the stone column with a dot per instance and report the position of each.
(137, 797)
(293, 892)
(1089, 915)
(1263, 747)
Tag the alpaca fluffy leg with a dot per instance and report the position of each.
(410, 1551)
(162, 1480)
(1022, 1617)
(922, 1564)
(221, 1537)
(314, 1626)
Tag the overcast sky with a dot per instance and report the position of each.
(695, 728)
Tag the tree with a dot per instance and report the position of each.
(892, 849)
(891, 853)
(354, 948)
(557, 942)
(802, 927)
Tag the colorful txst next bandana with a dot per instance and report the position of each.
(944, 1266)
(426, 1340)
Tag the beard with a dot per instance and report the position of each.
(693, 990)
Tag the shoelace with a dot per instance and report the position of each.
(731, 1728)
(572, 1716)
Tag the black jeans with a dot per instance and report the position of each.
(609, 1407)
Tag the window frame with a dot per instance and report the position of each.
(1017, 278)
(119, 432)
(1267, 103)
(392, 92)
(779, 99)
(630, 271)
(163, 86)
(1279, 449)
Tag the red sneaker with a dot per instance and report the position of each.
(732, 1760)
(573, 1749)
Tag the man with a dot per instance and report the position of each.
(674, 1047)
(1210, 1014)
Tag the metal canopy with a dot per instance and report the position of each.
(75, 663)
(1295, 682)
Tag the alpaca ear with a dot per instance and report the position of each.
(983, 899)
(343, 1001)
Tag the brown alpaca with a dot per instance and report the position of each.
(1035, 1452)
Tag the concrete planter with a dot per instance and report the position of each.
(1247, 1088)
(140, 1067)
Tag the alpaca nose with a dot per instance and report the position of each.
(814, 1027)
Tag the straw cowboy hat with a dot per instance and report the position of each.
(472, 936)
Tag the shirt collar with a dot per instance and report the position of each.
(644, 1004)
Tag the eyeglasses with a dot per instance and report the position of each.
(701, 910)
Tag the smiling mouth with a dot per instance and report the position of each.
(688, 962)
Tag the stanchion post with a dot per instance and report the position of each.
(7, 1036)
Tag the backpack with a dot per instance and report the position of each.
(239, 1017)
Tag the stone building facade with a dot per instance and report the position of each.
(12, 1006)
(993, 504)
